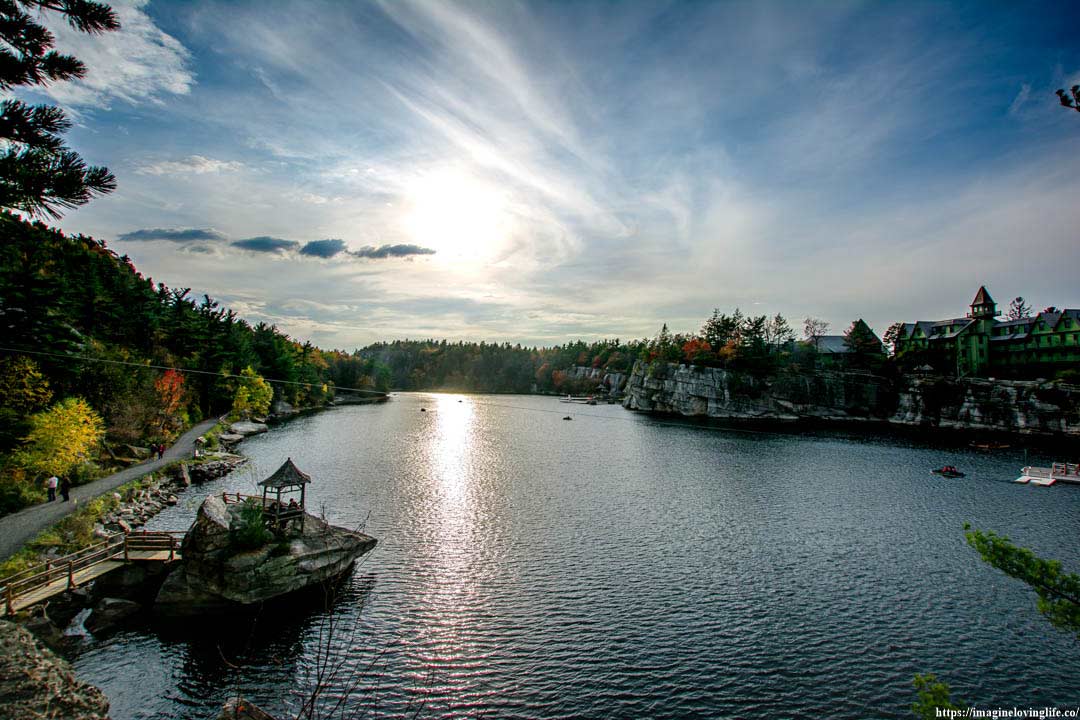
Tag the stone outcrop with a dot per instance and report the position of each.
(216, 575)
(970, 404)
(215, 465)
(1010, 406)
(36, 683)
(109, 613)
(247, 427)
(717, 393)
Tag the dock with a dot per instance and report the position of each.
(1046, 476)
(51, 578)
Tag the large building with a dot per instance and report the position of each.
(980, 344)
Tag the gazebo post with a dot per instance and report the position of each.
(303, 509)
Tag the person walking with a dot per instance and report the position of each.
(50, 487)
(160, 450)
(65, 489)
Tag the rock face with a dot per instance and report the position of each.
(973, 404)
(216, 576)
(36, 683)
(1026, 408)
(718, 393)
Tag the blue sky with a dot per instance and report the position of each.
(537, 172)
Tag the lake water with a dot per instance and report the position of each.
(626, 566)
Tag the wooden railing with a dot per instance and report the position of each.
(117, 547)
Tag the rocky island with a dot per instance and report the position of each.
(244, 551)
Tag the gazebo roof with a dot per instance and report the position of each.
(287, 475)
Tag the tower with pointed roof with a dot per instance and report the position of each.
(983, 306)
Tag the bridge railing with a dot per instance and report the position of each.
(116, 547)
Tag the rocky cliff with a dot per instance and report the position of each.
(1032, 408)
(218, 575)
(37, 683)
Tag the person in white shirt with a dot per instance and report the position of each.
(50, 485)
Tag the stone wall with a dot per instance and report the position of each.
(1032, 408)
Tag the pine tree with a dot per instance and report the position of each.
(39, 175)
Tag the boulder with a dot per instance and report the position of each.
(214, 469)
(216, 575)
(110, 612)
(246, 427)
(36, 683)
(229, 438)
(241, 709)
(137, 452)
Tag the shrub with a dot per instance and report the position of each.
(249, 530)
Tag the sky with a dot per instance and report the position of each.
(539, 172)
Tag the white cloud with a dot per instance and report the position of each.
(1020, 99)
(137, 63)
(191, 165)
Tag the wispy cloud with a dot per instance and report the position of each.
(566, 169)
(135, 64)
(179, 235)
(391, 251)
(192, 165)
(266, 244)
(323, 248)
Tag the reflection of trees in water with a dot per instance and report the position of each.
(278, 657)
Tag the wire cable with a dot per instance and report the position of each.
(86, 358)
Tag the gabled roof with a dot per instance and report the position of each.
(288, 475)
(832, 344)
(983, 297)
(1070, 313)
(1050, 318)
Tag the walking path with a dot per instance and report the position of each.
(18, 528)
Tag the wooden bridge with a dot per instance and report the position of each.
(53, 577)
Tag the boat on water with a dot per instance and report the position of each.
(584, 399)
(989, 445)
(1045, 477)
(948, 472)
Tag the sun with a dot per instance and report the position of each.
(456, 214)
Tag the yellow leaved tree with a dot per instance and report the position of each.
(253, 396)
(60, 438)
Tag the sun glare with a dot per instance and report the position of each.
(455, 214)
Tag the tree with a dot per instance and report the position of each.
(1018, 309)
(697, 351)
(39, 175)
(60, 438)
(891, 338)
(814, 329)
(933, 696)
(22, 386)
(1059, 593)
(172, 396)
(778, 333)
(861, 340)
(1070, 99)
(253, 396)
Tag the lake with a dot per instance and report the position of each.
(621, 565)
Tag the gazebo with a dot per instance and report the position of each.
(286, 480)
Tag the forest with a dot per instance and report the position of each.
(97, 356)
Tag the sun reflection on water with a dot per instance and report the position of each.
(455, 527)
